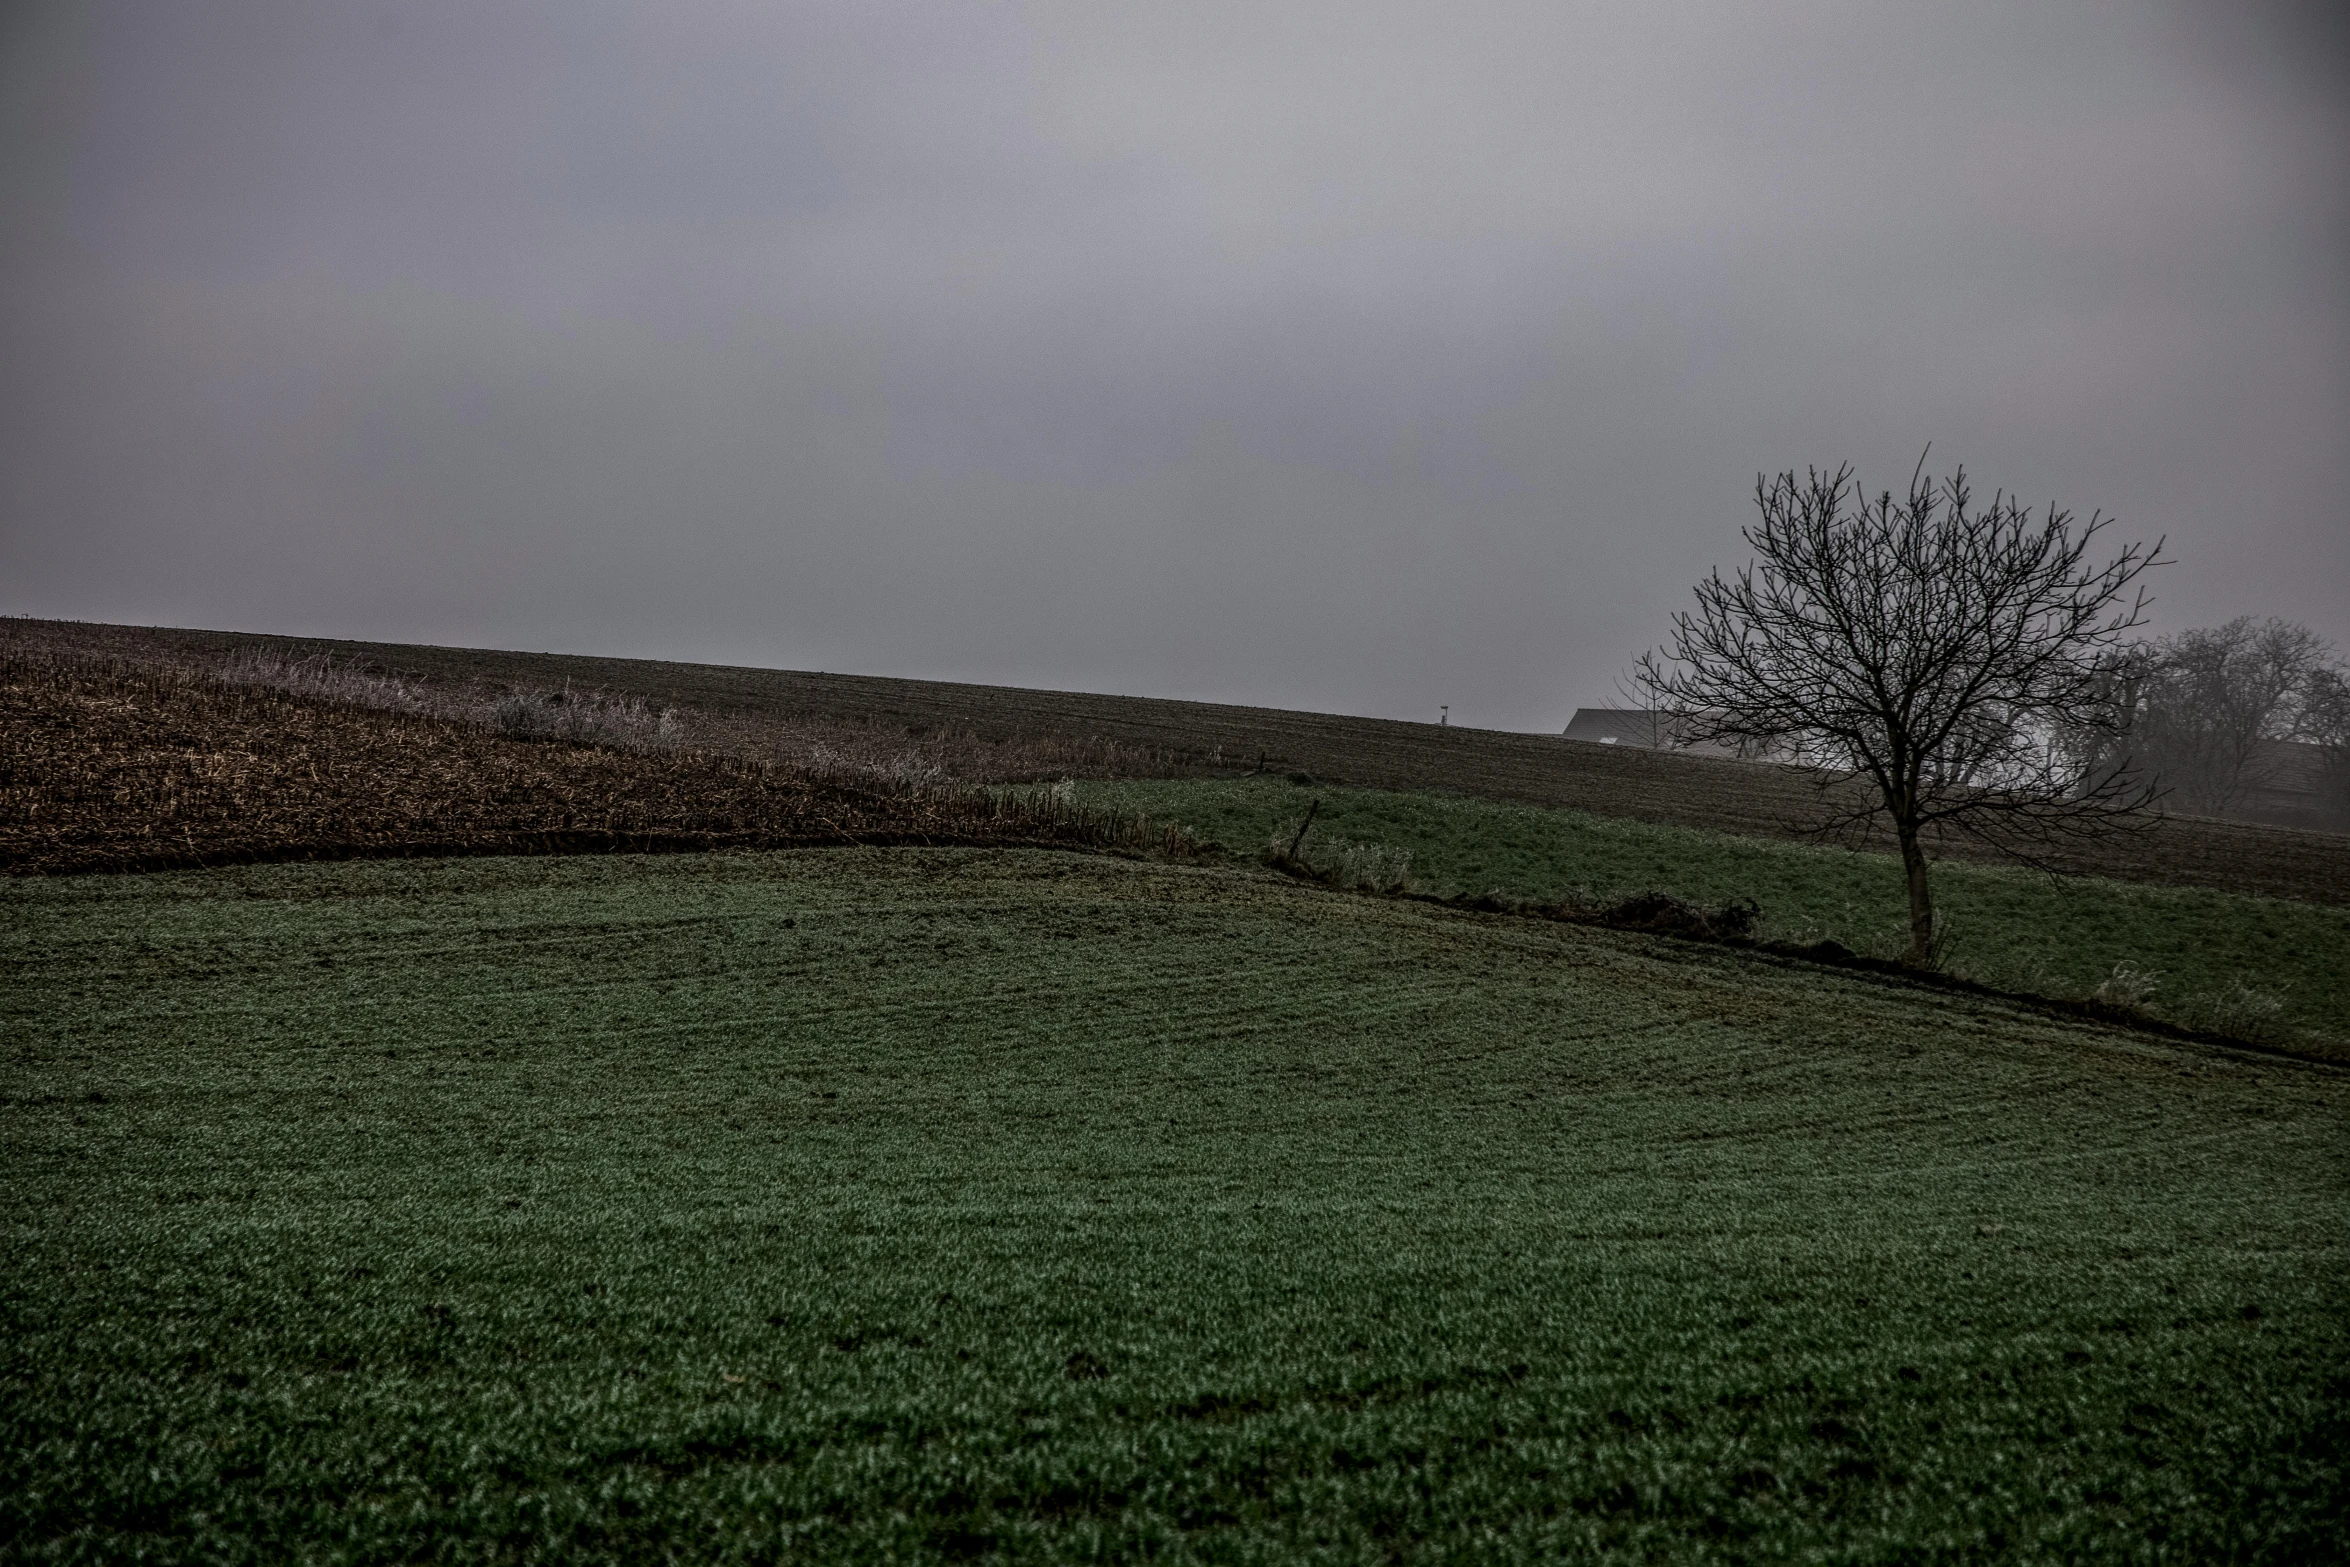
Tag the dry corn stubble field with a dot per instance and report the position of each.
(866, 1205)
(106, 765)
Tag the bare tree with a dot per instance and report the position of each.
(2326, 719)
(1935, 654)
(2205, 702)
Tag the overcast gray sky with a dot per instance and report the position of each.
(1355, 357)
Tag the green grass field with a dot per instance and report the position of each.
(864, 1205)
(2013, 928)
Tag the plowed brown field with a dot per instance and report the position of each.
(984, 731)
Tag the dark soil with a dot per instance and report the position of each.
(1660, 913)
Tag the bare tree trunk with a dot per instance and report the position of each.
(1921, 897)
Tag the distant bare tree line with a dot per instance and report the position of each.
(2202, 714)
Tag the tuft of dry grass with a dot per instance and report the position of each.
(627, 722)
(2242, 1011)
(328, 679)
(1352, 867)
(885, 748)
(2128, 987)
(565, 714)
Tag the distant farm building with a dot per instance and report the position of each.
(1637, 727)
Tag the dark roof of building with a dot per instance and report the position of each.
(1614, 726)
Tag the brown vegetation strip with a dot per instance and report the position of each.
(1002, 733)
(112, 766)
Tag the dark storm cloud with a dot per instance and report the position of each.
(1333, 356)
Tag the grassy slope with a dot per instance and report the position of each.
(2014, 928)
(868, 1203)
